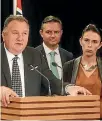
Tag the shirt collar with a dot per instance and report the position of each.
(48, 50)
(10, 56)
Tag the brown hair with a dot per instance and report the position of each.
(93, 28)
(50, 19)
(15, 17)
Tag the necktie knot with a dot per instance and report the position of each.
(52, 53)
(15, 58)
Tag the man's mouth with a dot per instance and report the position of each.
(19, 43)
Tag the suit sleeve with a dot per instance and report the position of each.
(3, 80)
(67, 71)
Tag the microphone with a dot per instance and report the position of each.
(36, 69)
(56, 65)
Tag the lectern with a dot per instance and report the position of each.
(53, 108)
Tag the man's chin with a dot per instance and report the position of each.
(54, 43)
(19, 50)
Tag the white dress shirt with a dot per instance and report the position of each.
(10, 57)
(57, 58)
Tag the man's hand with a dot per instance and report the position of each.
(77, 90)
(6, 93)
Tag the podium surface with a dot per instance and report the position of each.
(53, 108)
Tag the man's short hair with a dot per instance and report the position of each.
(50, 19)
(15, 17)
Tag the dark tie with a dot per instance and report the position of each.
(53, 68)
(16, 78)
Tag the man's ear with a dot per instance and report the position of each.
(61, 32)
(3, 35)
(41, 32)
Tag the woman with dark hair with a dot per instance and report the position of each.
(86, 70)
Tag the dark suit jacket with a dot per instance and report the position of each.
(65, 56)
(33, 80)
(71, 69)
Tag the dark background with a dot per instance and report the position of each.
(75, 15)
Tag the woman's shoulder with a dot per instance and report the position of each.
(73, 60)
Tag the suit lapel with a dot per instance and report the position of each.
(43, 53)
(63, 59)
(5, 66)
(75, 69)
(27, 62)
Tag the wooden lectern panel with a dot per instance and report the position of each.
(52, 108)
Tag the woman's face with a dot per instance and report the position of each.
(90, 42)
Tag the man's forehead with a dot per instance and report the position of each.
(49, 26)
(15, 22)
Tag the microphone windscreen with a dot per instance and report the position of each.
(54, 64)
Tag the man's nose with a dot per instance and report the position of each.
(53, 34)
(20, 37)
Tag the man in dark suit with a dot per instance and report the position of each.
(15, 37)
(51, 32)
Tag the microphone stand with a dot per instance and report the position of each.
(35, 68)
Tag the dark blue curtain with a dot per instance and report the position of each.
(6, 10)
